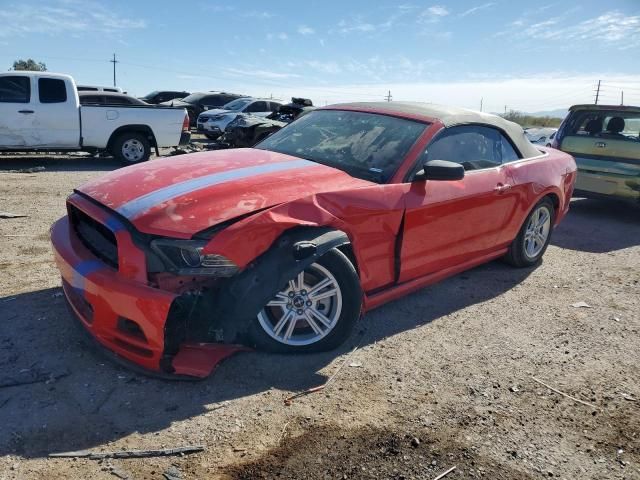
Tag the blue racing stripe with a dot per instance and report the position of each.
(145, 202)
(82, 270)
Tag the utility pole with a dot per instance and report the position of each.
(388, 97)
(598, 92)
(481, 103)
(114, 61)
(622, 97)
(505, 109)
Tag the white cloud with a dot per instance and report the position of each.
(259, 74)
(305, 30)
(355, 25)
(613, 29)
(324, 67)
(475, 9)
(279, 36)
(256, 14)
(68, 17)
(432, 15)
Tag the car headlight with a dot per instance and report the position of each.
(185, 257)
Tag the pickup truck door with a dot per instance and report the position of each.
(17, 113)
(57, 113)
(448, 223)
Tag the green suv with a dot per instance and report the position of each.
(605, 141)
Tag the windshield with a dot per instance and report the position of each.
(152, 94)
(237, 105)
(193, 98)
(365, 145)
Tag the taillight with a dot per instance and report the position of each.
(185, 123)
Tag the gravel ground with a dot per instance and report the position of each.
(441, 378)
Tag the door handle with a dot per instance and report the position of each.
(25, 111)
(601, 144)
(502, 187)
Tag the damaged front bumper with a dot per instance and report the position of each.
(118, 307)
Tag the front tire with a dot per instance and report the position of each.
(315, 312)
(130, 148)
(534, 236)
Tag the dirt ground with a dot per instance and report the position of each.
(441, 378)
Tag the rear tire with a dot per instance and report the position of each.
(131, 148)
(534, 236)
(332, 316)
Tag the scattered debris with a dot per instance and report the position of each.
(514, 389)
(118, 472)
(617, 319)
(172, 473)
(355, 364)
(12, 215)
(289, 400)
(129, 453)
(29, 377)
(628, 397)
(415, 442)
(28, 170)
(444, 474)
(190, 148)
(564, 394)
(283, 433)
(581, 305)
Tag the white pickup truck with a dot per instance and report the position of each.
(40, 111)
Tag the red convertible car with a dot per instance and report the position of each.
(173, 264)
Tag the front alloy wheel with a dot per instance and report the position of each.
(315, 311)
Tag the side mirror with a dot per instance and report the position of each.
(440, 170)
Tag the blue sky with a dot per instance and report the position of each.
(529, 56)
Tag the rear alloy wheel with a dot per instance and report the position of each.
(131, 148)
(314, 312)
(534, 236)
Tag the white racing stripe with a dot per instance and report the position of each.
(145, 202)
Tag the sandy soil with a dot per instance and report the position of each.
(441, 378)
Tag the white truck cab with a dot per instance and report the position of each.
(41, 111)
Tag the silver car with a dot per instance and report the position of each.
(213, 122)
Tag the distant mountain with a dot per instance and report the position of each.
(559, 113)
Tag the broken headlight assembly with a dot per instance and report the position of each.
(185, 257)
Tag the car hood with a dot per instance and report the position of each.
(182, 195)
(215, 111)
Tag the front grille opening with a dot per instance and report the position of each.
(77, 300)
(142, 352)
(98, 239)
(131, 328)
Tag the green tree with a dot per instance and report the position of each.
(29, 64)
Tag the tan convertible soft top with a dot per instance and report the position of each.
(450, 116)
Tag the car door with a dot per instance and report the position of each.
(57, 116)
(17, 114)
(258, 108)
(449, 223)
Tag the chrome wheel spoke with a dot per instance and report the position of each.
(319, 286)
(280, 300)
(312, 323)
(325, 294)
(283, 321)
(291, 327)
(320, 316)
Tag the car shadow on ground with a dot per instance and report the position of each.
(87, 400)
(598, 226)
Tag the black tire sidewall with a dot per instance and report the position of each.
(119, 142)
(347, 277)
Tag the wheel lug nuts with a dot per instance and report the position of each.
(303, 292)
(309, 303)
(299, 312)
(291, 294)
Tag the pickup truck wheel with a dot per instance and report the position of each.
(131, 148)
(315, 312)
(534, 236)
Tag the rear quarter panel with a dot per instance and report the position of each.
(553, 172)
(99, 122)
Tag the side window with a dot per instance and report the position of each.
(15, 89)
(257, 107)
(91, 99)
(212, 101)
(273, 106)
(52, 90)
(116, 100)
(472, 146)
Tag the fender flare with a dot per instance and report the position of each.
(224, 315)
